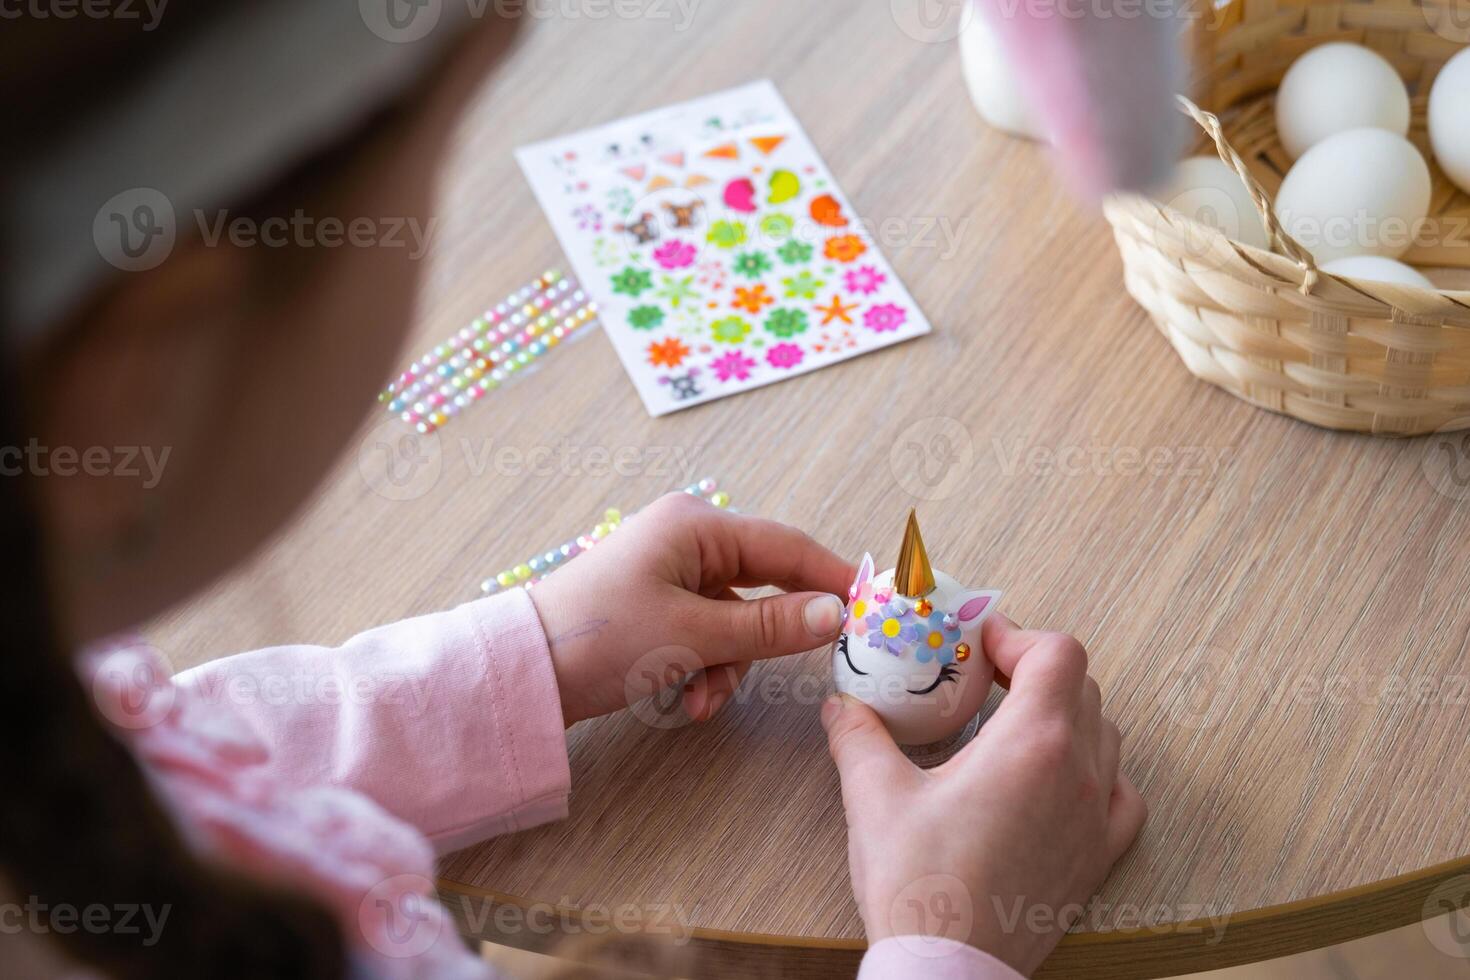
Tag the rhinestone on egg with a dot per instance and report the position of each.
(962, 652)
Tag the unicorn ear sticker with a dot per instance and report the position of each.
(910, 646)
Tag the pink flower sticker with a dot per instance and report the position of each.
(864, 280)
(674, 254)
(885, 317)
(732, 366)
(784, 356)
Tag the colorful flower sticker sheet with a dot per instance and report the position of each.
(721, 252)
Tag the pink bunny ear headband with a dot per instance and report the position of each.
(1104, 81)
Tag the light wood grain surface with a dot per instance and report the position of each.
(1222, 564)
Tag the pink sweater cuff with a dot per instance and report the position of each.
(451, 721)
(930, 958)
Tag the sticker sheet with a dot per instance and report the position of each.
(721, 252)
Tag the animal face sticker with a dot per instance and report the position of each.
(917, 662)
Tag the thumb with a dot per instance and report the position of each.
(774, 626)
(860, 745)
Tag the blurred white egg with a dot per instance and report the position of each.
(1337, 87)
(1377, 269)
(1362, 192)
(1449, 119)
(993, 85)
(1205, 189)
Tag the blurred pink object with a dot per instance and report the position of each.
(1104, 74)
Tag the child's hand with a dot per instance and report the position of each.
(653, 604)
(1002, 845)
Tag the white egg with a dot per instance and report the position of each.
(993, 85)
(1449, 119)
(1205, 189)
(1337, 87)
(1377, 269)
(1362, 192)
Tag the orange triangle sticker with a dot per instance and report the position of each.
(695, 180)
(635, 173)
(725, 151)
(659, 183)
(766, 144)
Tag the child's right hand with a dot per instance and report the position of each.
(994, 847)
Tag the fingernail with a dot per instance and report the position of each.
(822, 615)
(831, 708)
(716, 703)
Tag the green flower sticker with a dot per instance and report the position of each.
(752, 265)
(777, 226)
(645, 317)
(730, 330)
(726, 234)
(795, 252)
(786, 323)
(620, 201)
(803, 286)
(676, 291)
(631, 281)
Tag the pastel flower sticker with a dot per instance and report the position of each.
(752, 265)
(676, 291)
(674, 254)
(753, 299)
(645, 317)
(864, 280)
(620, 201)
(844, 248)
(885, 628)
(732, 366)
(631, 281)
(784, 355)
(730, 330)
(669, 352)
(795, 252)
(786, 322)
(885, 317)
(726, 234)
(803, 286)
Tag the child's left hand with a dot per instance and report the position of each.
(654, 603)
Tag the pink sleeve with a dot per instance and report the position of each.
(450, 721)
(930, 958)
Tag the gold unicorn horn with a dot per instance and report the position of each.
(913, 576)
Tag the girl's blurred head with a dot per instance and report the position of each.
(295, 144)
(224, 377)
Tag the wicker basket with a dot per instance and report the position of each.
(1268, 326)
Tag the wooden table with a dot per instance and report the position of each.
(1247, 585)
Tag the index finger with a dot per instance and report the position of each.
(753, 551)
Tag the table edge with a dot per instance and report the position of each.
(1163, 950)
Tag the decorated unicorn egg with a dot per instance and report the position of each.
(910, 646)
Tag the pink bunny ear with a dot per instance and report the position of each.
(864, 576)
(975, 606)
